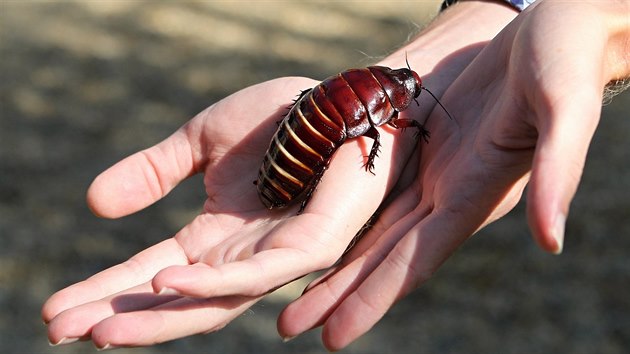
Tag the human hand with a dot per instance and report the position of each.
(525, 111)
(235, 251)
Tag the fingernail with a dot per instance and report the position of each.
(558, 232)
(168, 291)
(288, 338)
(62, 341)
(107, 346)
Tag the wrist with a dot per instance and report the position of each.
(608, 24)
(459, 33)
(442, 50)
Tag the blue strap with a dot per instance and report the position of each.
(518, 4)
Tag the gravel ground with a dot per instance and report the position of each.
(84, 84)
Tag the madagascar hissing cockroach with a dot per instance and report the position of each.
(344, 106)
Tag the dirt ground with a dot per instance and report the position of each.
(84, 84)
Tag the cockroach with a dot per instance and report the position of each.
(344, 106)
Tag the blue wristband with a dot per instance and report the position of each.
(518, 4)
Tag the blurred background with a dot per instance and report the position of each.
(84, 84)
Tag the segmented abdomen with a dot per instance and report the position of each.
(343, 106)
(300, 149)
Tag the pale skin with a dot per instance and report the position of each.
(236, 251)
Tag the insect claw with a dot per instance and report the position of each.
(423, 133)
(369, 164)
(369, 167)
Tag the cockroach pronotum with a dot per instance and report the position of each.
(344, 106)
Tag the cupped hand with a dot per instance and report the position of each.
(525, 111)
(235, 251)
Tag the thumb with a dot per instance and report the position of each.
(565, 133)
(142, 178)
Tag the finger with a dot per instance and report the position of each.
(176, 319)
(137, 270)
(411, 262)
(325, 294)
(77, 322)
(558, 163)
(253, 276)
(402, 200)
(300, 246)
(404, 204)
(144, 177)
(312, 308)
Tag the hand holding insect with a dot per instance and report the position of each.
(236, 250)
(526, 109)
(228, 257)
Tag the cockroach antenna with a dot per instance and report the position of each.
(427, 90)
(438, 101)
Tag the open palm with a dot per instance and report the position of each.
(235, 251)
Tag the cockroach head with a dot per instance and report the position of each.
(419, 86)
(416, 78)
